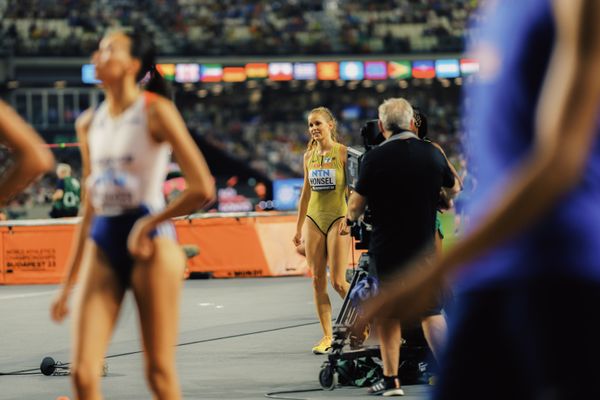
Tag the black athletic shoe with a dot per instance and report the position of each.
(387, 387)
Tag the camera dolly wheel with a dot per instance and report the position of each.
(327, 376)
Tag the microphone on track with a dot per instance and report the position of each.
(51, 367)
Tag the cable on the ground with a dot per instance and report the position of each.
(31, 371)
(277, 395)
(36, 371)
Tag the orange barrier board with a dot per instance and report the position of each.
(230, 247)
(34, 254)
(243, 246)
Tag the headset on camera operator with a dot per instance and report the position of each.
(400, 181)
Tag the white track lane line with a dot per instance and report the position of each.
(27, 295)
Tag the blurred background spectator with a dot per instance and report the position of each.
(256, 27)
(254, 132)
(66, 196)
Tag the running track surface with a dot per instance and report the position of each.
(241, 339)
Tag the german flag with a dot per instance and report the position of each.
(257, 70)
(234, 74)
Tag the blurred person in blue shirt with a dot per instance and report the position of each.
(527, 273)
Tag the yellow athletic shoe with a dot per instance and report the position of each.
(324, 346)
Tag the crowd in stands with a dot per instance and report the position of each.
(36, 200)
(265, 127)
(239, 27)
(404, 26)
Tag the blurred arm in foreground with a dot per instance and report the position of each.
(565, 116)
(31, 158)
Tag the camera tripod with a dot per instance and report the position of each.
(347, 347)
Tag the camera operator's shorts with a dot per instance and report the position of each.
(385, 271)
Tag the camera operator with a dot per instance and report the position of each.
(400, 181)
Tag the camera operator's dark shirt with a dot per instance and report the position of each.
(401, 180)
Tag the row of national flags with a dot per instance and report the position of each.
(325, 71)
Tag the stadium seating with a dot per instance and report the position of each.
(203, 27)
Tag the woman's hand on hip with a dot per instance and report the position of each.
(139, 242)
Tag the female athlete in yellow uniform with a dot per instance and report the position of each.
(323, 201)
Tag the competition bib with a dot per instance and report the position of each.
(115, 191)
(321, 179)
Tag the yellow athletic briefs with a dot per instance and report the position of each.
(327, 179)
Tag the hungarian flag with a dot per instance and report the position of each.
(469, 66)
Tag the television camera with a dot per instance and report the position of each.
(372, 137)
